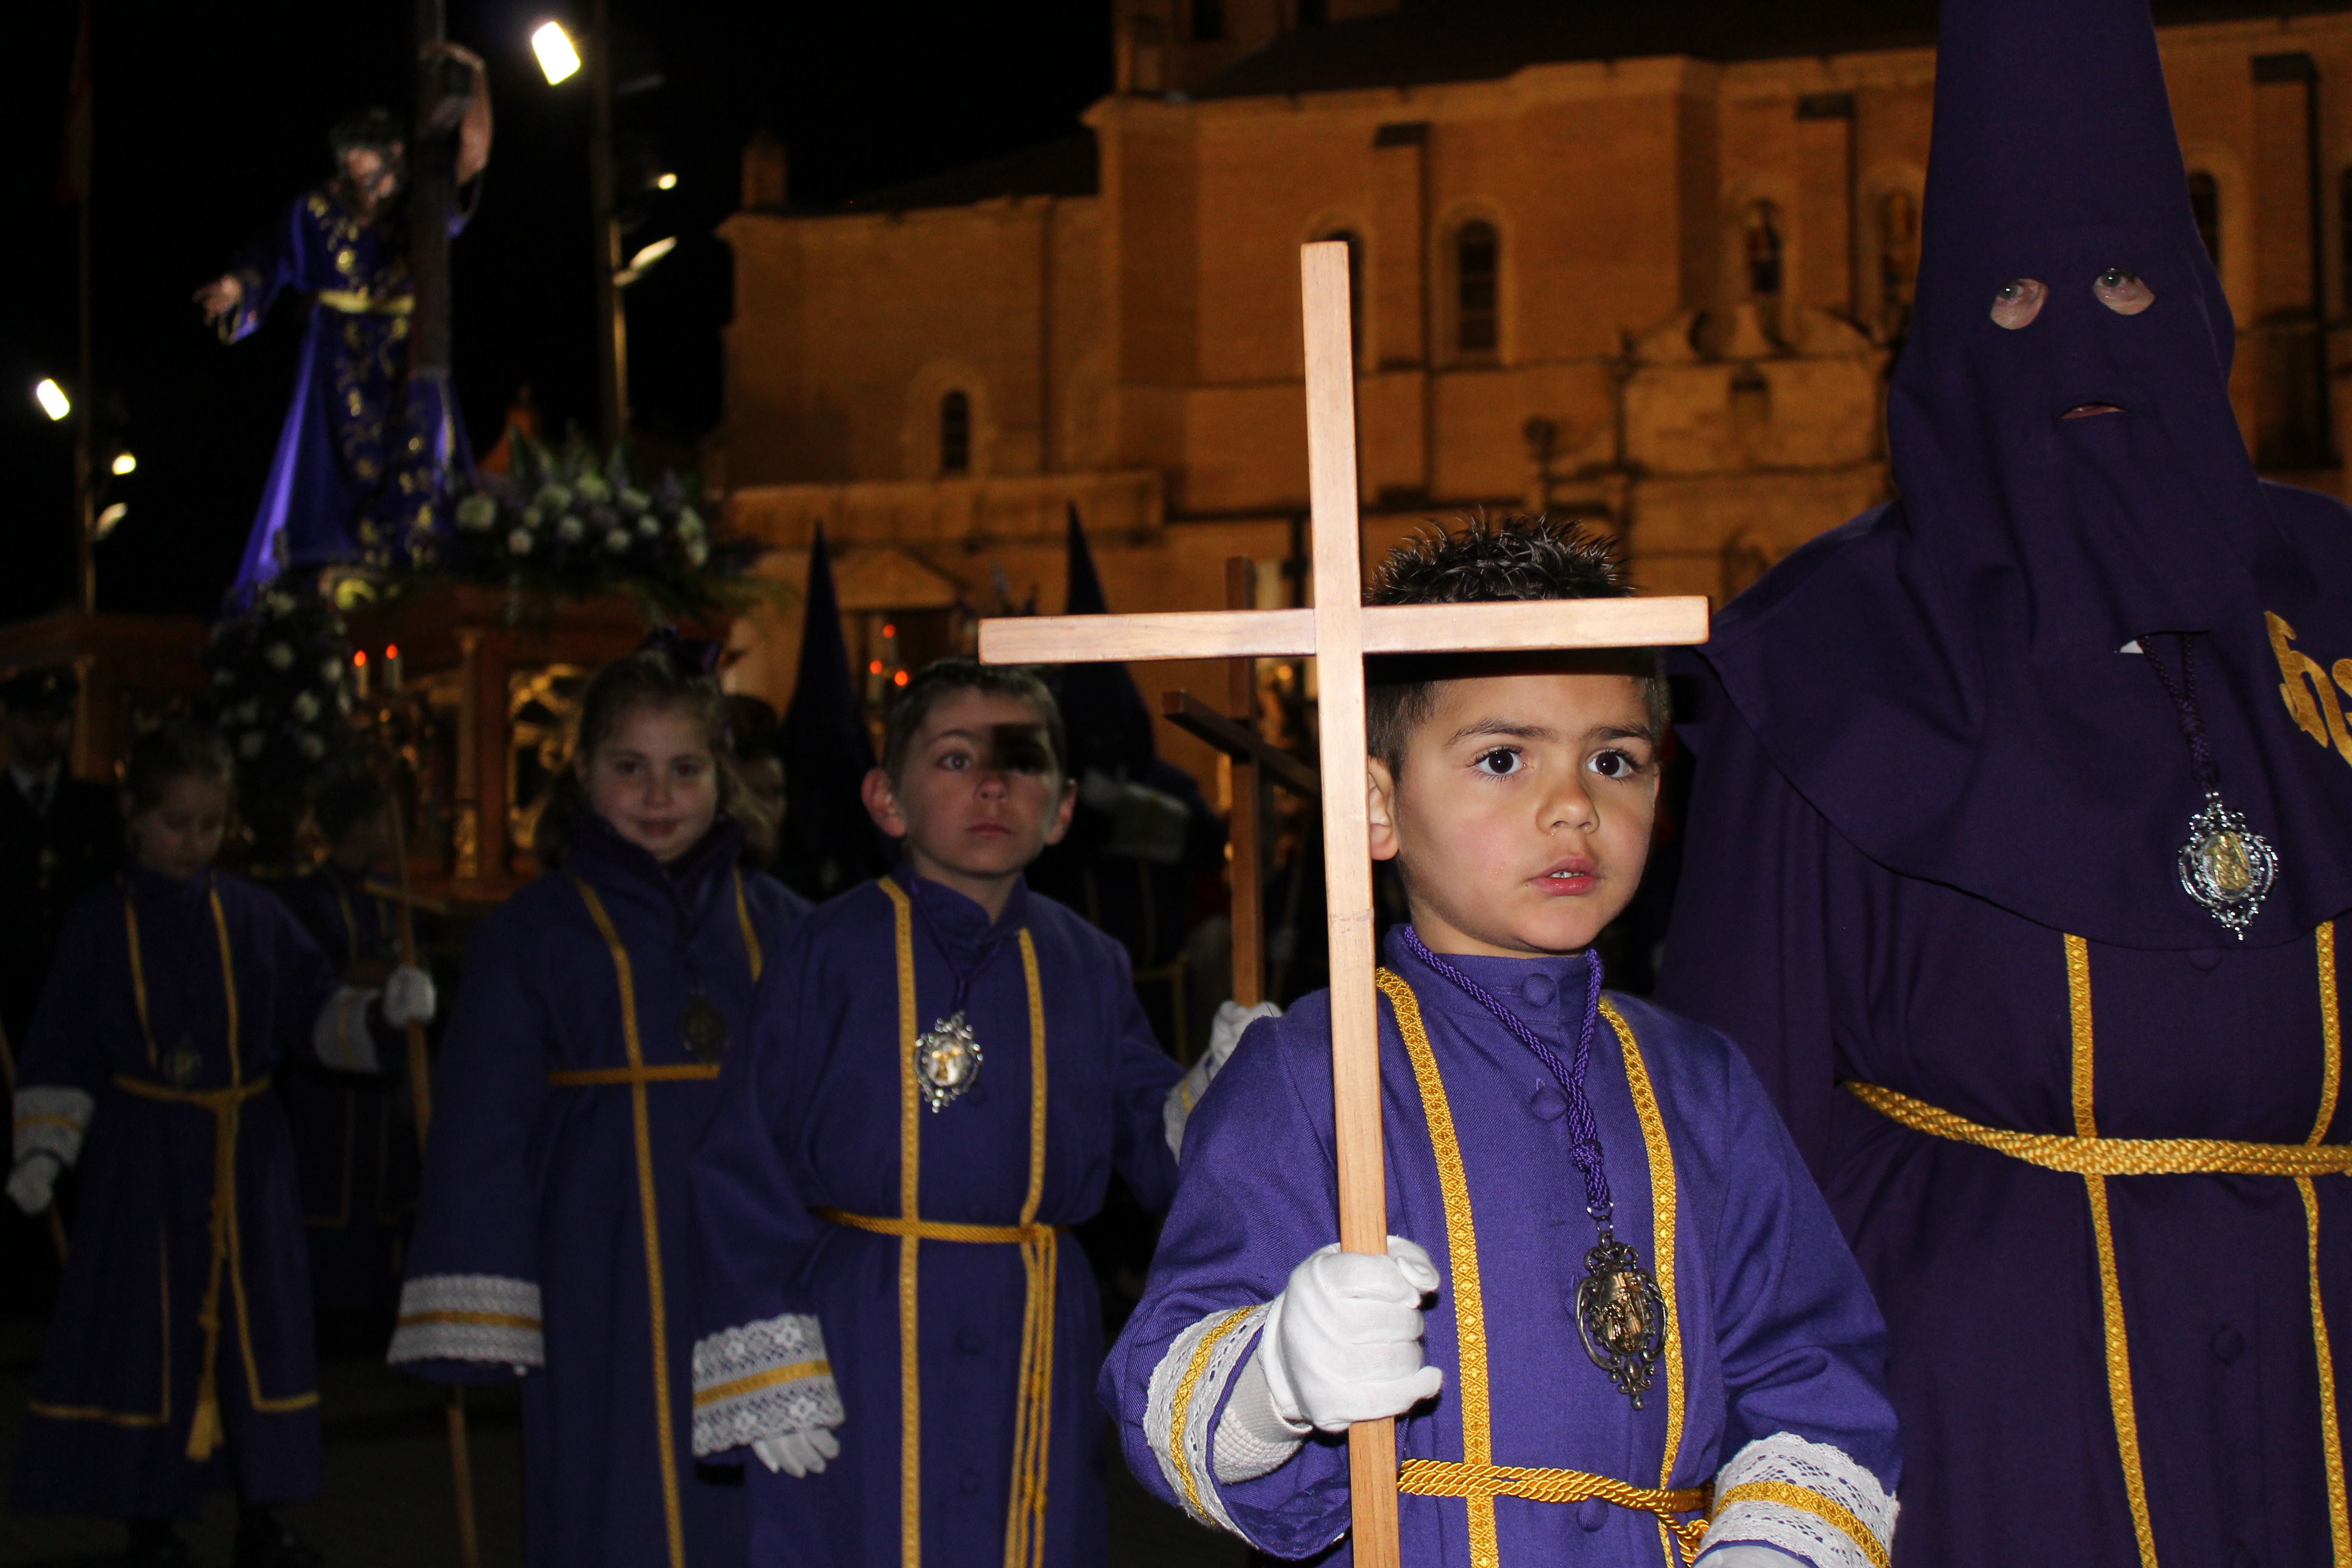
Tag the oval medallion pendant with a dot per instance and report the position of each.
(183, 1065)
(947, 1061)
(1620, 1316)
(2226, 865)
(705, 1028)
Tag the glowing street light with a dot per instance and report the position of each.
(667, 183)
(52, 399)
(112, 516)
(125, 463)
(558, 58)
(652, 253)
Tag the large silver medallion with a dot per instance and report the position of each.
(1622, 1316)
(2226, 865)
(183, 1064)
(947, 1061)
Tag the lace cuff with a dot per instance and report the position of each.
(761, 1380)
(1805, 1499)
(1186, 1389)
(1252, 1440)
(52, 1120)
(341, 1037)
(468, 1317)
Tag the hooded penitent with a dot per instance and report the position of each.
(1943, 677)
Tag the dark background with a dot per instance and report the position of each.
(211, 117)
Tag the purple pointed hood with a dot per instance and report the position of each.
(1942, 677)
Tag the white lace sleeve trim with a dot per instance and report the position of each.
(468, 1317)
(1806, 1498)
(51, 1119)
(762, 1379)
(341, 1037)
(1187, 1386)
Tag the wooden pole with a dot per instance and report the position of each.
(57, 1221)
(420, 1094)
(1346, 838)
(1243, 831)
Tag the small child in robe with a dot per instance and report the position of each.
(354, 1134)
(180, 1356)
(599, 1007)
(946, 1070)
(1629, 1289)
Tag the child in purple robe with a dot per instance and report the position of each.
(946, 1070)
(354, 1135)
(1647, 1341)
(581, 1063)
(180, 1356)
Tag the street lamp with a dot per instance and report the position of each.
(125, 463)
(559, 58)
(52, 399)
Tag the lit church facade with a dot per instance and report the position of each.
(1612, 277)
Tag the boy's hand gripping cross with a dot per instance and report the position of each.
(1339, 631)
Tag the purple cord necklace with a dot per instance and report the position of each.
(2225, 864)
(1619, 1311)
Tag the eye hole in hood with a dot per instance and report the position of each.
(2017, 301)
(2123, 292)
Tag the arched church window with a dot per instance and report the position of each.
(1477, 292)
(1314, 12)
(1208, 21)
(2205, 205)
(1898, 262)
(955, 433)
(1355, 245)
(1761, 245)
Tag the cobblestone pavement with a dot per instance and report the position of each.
(387, 1501)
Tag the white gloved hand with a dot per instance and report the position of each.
(798, 1454)
(1343, 1341)
(1231, 1021)
(34, 1181)
(1748, 1554)
(409, 998)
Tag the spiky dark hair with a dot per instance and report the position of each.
(1485, 560)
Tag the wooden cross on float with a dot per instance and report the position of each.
(1339, 631)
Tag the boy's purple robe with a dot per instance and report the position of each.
(1932, 750)
(814, 1122)
(354, 1134)
(108, 1429)
(530, 1248)
(1777, 1331)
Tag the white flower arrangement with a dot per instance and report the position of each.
(478, 513)
(552, 500)
(306, 706)
(280, 656)
(570, 528)
(312, 748)
(617, 541)
(249, 744)
(520, 541)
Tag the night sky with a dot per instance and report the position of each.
(211, 117)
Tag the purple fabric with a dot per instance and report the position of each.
(812, 1121)
(354, 1134)
(1777, 1331)
(1940, 678)
(147, 1170)
(1826, 966)
(531, 1181)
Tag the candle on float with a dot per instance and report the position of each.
(359, 673)
(392, 667)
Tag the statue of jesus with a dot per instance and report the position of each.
(352, 480)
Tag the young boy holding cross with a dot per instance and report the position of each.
(1696, 1343)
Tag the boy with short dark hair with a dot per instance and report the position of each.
(944, 1071)
(1696, 1342)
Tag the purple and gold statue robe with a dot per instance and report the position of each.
(872, 1257)
(362, 466)
(551, 1240)
(1769, 1385)
(142, 1062)
(354, 1134)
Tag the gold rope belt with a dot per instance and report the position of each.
(1454, 1479)
(2113, 1157)
(665, 1072)
(941, 1230)
(359, 302)
(204, 1430)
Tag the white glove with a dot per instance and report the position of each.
(34, 1181)
(1233, 1019)
(1748, 1554)
(409, 998)
(1343, 1341)
(798, 1454)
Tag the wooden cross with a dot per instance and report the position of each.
(1339, 632)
